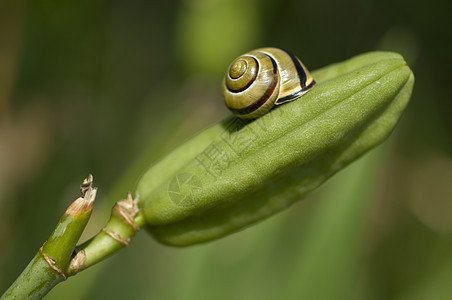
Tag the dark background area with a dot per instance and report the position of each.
(108, 87)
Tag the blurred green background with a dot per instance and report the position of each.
(108, 87)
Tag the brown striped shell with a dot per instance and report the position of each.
(262, 78)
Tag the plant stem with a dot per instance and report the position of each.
(117, 234)
(59, 257)
(48, 266)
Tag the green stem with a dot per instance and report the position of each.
(59, 257)
(34, 282)
(48, 266)
(117, 234)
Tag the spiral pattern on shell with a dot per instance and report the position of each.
(262, 78)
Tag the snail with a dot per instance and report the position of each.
(262, 78)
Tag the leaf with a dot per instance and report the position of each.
(239, 172)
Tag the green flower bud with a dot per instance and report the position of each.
(239, 172)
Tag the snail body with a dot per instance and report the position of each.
(263, 78)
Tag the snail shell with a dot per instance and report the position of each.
(262, 78)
